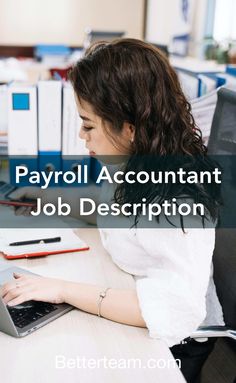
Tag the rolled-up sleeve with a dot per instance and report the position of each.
(172, 295)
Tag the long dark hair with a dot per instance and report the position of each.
(131, 81)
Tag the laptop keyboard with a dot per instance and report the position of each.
(23, 315)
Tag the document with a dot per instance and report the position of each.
(69, 242)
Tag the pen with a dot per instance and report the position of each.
(35, 241)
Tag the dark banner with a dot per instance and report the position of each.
(118, 192)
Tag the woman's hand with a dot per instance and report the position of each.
(120, 305)
(27, 192)
(27, 287)
(31, 192)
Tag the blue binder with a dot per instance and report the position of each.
(30, 162)
(71, 163)
(231, 69)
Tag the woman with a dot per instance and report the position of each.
(131, 103)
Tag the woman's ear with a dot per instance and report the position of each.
(128, 132)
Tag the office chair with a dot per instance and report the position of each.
(221, 365)
(222, 143)
(224, 260)
(223, 130)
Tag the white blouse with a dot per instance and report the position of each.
(173, 269)
(173, 272)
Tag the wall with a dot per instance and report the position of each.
(161, 19)
(28, 22)
(199, 28)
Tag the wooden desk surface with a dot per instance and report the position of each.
(88, 349)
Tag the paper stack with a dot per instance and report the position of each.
(203, 109)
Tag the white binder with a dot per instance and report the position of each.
(22, 127)
(49, 110)
(72, 145)
(49, 124)
(74, 152)
(3, 119)
(22, 120)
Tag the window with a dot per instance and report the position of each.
(224, 23)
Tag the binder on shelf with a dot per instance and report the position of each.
(231, 69)
(74, 152)
(206, 84)
(229, 80)
(95, 170)
(22, 128)
(219, 79)
(190, 84)
(49, 125)
(52, 54)
(195, 66)
(197, 77)
(203, 110)
(3, 119)
(198, 84)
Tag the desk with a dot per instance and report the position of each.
(83, 338)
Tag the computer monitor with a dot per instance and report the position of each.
(223, 130)
(92, 36)
(162, 47)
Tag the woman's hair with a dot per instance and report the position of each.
(131, 81)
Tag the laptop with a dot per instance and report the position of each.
(27, 317)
